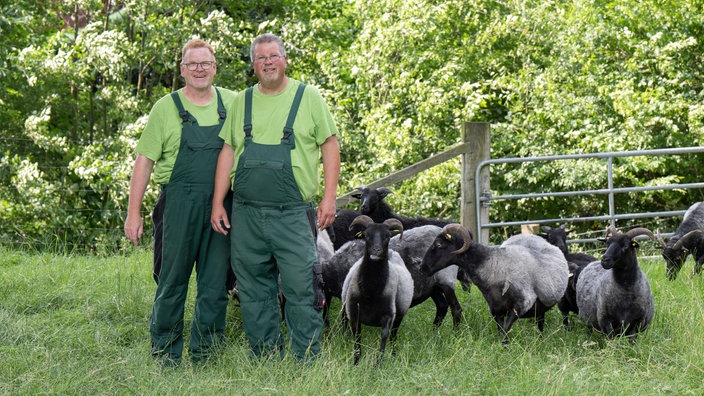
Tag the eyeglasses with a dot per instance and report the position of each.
(272, 58)
(194, 65)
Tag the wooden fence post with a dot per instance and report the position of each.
(477, 137)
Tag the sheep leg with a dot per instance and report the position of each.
(357, 333)
(504, 323)
(385, 331)
(440, 306)
(326, 310)
(451, 299)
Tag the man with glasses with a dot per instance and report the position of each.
(180, 146)
(274, 138)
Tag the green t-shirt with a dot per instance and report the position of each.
(161, 136)
(313, 125)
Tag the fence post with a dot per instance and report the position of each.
(477, 137)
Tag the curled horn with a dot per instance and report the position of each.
(464, 233)
(612, 230)
(644, 231)
(395, 224)
(361, 219)
(685, 237)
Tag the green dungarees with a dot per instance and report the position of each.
(275, 235)
(189, 239)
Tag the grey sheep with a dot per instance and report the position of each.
(378, 289)
(688, 238)
(522, 278)
(613, 295)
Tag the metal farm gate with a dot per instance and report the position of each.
(484, 198)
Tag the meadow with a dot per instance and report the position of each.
(78, 324)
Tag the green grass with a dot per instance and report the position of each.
(72, 324)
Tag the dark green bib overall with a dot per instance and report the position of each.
(188, 239)
(274, 235)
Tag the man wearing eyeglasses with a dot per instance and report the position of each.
(274, 139)
(180, 146)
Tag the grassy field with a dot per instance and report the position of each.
(79, 325)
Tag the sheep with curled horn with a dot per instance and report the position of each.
(687, 239)
(378, 289)
(613, 295)
(522, 278)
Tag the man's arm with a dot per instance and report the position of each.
(218, 217)
(134, 226)
(331, 173)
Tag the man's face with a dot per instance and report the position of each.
(269, 70)
(199, 78)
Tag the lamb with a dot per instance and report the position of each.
(522, 278)
(373, 205)
(613, 295)
(576, 263)
(378, 289)
(688, 238)
(440, 287)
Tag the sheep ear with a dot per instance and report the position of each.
(356, 195)
(601, 240)
(635, 244)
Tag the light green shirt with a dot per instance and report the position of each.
(161, 137)
(313, 125)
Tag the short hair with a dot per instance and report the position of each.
(267, 38)
(196, 43)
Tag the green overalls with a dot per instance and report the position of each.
(275, 235)
(189, 239)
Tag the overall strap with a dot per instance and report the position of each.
(183, 113)
(288, 129)
(221, 107)
(248, 112)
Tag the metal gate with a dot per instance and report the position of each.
(484, 198)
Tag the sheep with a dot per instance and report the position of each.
(440, 287)
(378, 289)
(613, 295)
(688, 238)
(576, 263)
(373, 205)
(522, 278)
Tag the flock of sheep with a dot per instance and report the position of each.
(381, 264)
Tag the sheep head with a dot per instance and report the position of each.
(676, 251)
(453, 240)
(376, 235)
(556, 236)
(371, 199)
(621, 248)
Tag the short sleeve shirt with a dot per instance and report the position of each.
(161, 137)
(313, 125)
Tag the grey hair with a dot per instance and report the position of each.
(267, 38)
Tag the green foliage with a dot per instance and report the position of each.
(552, 77)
